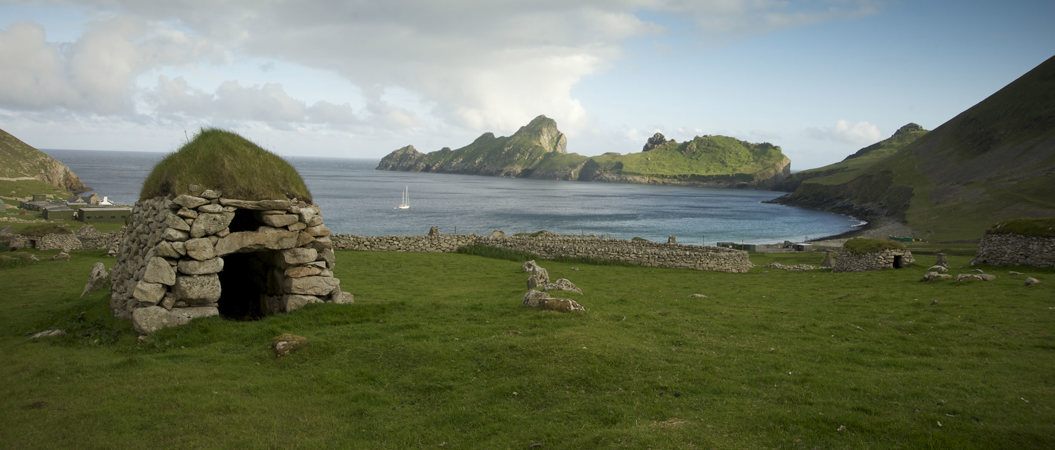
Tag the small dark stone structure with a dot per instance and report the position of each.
(886, 259)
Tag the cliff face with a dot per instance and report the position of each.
(21, 161)
(539, 150)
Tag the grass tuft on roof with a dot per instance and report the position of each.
(222, 160)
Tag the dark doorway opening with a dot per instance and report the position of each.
(244, 220)
(245, 285)
(899, 261)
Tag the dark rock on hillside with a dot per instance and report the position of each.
(655, 141)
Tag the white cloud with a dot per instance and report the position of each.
(860, 133)
(465, 64)
(34, 72)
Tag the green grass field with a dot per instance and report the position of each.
(437, 351)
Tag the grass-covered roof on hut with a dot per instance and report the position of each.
(224, 161)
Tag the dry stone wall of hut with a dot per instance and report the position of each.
(643, 253)
(174, 250)
(1006, 249)
(886, 259)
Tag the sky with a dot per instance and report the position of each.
(359, 79)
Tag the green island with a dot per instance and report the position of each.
(538, 150)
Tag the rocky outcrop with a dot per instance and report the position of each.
(539, 150)
(204, 255)
(656, 140)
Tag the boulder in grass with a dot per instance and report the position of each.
(286, 343)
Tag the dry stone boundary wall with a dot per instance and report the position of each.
(1015, 250)
(643, 253)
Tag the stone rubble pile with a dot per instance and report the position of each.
(538, 285)
(174, 249)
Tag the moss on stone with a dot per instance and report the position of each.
(861, 246)
(224, 161)
(1044, 227)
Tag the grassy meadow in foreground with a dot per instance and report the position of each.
(438, 352)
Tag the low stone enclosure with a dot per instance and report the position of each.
(87, 237)
(204, 255)
(846, 261)
(551, 246)
(1010, 249)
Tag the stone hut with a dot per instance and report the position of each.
(212, 238)
(1021, 242)
(862, 255)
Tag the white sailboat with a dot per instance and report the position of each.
(405, 204)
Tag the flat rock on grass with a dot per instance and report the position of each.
(286, 343)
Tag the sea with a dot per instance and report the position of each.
(357, 199)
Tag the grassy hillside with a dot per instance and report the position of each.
(700, 158)
(854, 165)
(19, 160)
(449, 358)
(991, 162)
(225, 161)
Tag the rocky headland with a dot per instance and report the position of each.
(539, 150)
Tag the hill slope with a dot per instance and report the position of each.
(22, 161)
(993, 161)
(538, 150)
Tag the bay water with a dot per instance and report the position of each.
(357, 199)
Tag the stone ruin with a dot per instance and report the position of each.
(886, 259)
(1009, 249)
(202, 255)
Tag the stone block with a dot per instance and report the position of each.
(150, 293)
(344, 298)
(158, 270)
(200, 249)
(189, 201)
(318, 230)
(210, 223)
(259, 205)
(197, 289)
(306, 271)
(176, 222)
(263, 239)
(210, 194)
(278, 220)
(166, 250)
(150, 319)
(560, 304)
(319, 286)
(195, 267)
(297, 256)
(211, 208)
(174, 235)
